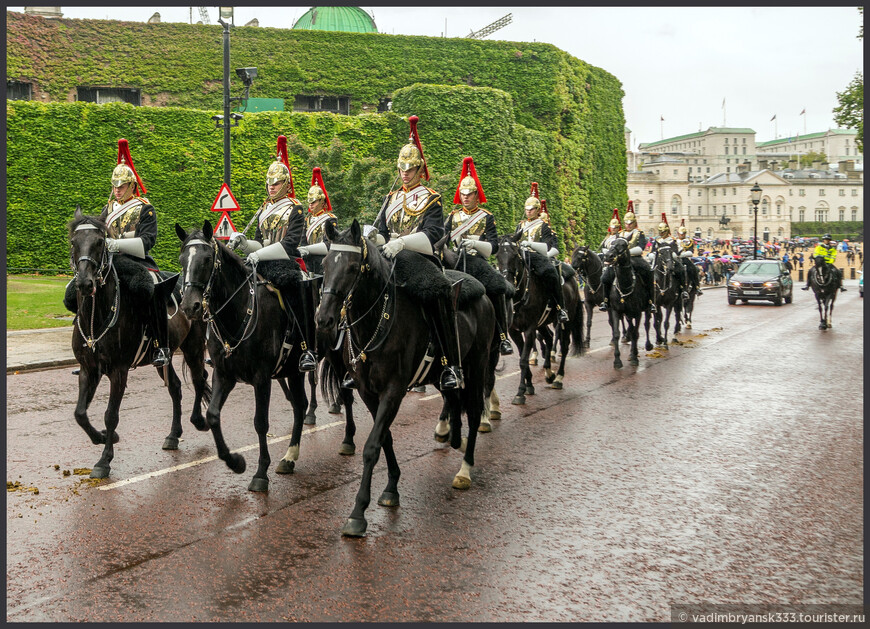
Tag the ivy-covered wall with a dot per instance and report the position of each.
(543, 116)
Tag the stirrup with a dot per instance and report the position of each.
(451, 378)
(307, 362)
(162, 357)
(348, 382)
(505, 348)
(563, 316)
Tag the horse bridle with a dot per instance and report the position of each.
(616, 279)
(105, 257)
(522, 284)
(583, 277)
(667, 274)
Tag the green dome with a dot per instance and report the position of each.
(346, 19)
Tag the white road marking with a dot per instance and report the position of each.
(141, 477)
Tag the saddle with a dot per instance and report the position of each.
(133, 277)
(492, 280)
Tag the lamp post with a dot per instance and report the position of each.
(756, 197)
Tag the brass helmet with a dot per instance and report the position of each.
(279, 170)
(664, 228)
(614, 225)
(125, 171)
(629, 218)
(534, 200)
(411, 155)
(317, 190)
(469, 182)
(682, 230)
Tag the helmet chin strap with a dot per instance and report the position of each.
(282, 191)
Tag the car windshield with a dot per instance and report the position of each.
(757, 268)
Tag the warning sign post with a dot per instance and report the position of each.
(224, 202)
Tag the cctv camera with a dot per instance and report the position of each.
(217, 118)
(247, 75)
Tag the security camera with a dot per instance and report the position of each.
(247, 75)
(236, 116)
(217, 118)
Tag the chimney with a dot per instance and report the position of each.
(762, 164)
(47, 12)
(743, 170)
(817, 165)
(793, 164)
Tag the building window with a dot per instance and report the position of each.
(650, 192)
(708, 171)
(744, 140)
(726, 140)
(802, 192)
(764, 205)
(699, 210)
(385, 105)
(854, 214)
(20, 90)
(790, 192)
(715, 192)
(847, 150)
(726, 150)
(801, 215)
(676, 204)
(675, 171)
(637, 203)
(842, 214)
(699, 193)
(728, 169)
(821, 192)
(734, 191)
(779, 208)
(715, 210)
(854, 192)
(821, 214)
(744, 150)
(651, 206)
(842, 192)
(102, 95)
(690, 170)
(334, 104)
(709, 232)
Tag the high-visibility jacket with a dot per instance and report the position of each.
(828, 252)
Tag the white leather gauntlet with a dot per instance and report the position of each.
(130, 246)
(272, 252)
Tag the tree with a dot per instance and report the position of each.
(850, 112)
(807, 160)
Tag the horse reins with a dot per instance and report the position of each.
(105, 261)
(622, 295)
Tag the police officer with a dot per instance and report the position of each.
(541, 241)
(828, 250)
(474, 234)
(280, 224)
(412, 219)
(132, 230)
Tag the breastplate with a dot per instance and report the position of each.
(123, 218)
(316, 234)
(477, 219)
(533, 233)
(277, 215)
(405, 210)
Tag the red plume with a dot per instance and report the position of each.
(630, 207)
(665, 219)
(682, 222)
(415, 139)
(534, 192)
(317, 180)
(616, 215)
(468, 169)
(281, 153)
(125, 158)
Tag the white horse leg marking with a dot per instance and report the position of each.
(442, 428)
(560, 378)
(494, 402)
(463, 445)
(292, 454)
(549, 371)
(464, 471)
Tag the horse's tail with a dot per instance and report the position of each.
(330, 385)
(576, 328)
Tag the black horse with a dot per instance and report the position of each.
(589, 267)
(110, 337)
(629, 299)
(459, 261)
(254, 337)
(825, 284)
(531, 314)
(686, 307)
(361, 295)
(666, 293)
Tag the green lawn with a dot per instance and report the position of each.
(35, 302)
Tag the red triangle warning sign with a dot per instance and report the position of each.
(224, 227)
(225, 201)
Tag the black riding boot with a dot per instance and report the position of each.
(809, 276)
(308, 361)
(448, 337)
(158, 322)
(557, 298)
(681, 280)
(607, 283)
(504, 345)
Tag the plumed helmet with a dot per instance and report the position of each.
(629, 217)
(534, 200)
(545, 215)
(682, 230)
(468, 182)
(664, 228)
(614, 221)
(318, 189)
(125, 171)
(279, 170)
(411, 155)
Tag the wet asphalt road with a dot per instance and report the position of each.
(728, 470)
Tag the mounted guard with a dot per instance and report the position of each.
(280, 226)
(613, 229)
(311, 246)
(666, 241)
(636, 240)
(473, 234)
(132, 230)
(542, 244)
(412, 219)
(686, 251)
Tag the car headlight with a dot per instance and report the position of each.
(772, 284)
(735, 284)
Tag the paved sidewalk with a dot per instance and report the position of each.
(39, 349)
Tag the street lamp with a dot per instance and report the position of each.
(756, 197)
(247, 75)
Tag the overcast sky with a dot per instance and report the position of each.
(678, 63)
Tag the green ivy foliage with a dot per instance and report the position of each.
(837, 229)
(542, 116)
